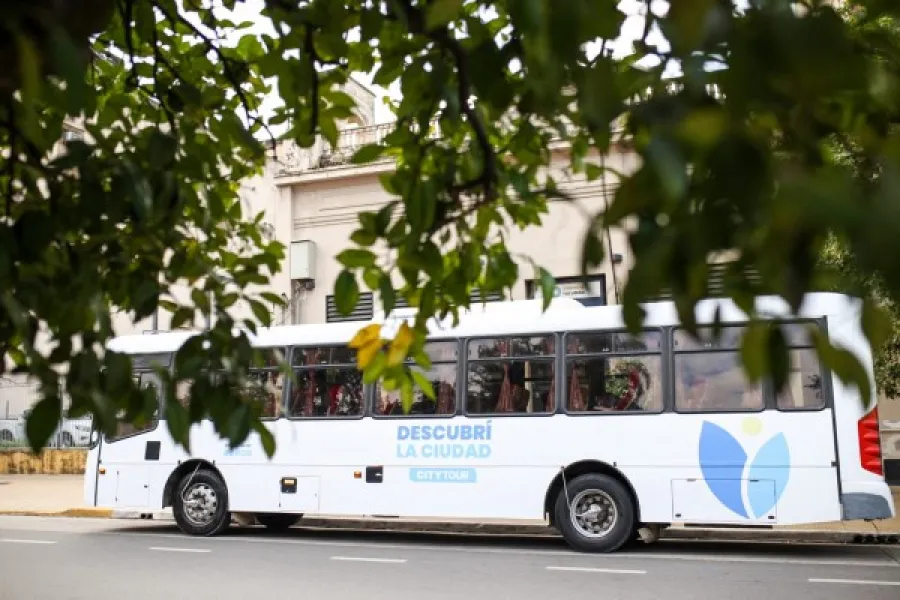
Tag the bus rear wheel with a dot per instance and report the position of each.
(595, 513)
(200, 505)
(277, 521)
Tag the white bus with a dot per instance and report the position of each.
(558, 415)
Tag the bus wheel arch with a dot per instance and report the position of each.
(199, 499)
(584, 467)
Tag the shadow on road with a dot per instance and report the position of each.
(680, 547)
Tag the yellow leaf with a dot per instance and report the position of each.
(400, 345)
(366, 336)
(367, 354)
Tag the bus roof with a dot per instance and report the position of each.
(518, 317)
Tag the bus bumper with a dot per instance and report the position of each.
(867, 502)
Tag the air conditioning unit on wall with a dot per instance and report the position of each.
(303, 263)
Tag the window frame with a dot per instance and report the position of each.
(664, 371)
(366, 388)
(552, 360)
(373, 387)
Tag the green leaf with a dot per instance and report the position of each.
(367, 154)
(423, 383)
(548, 287)
(346, 292)
(178, 422)
(876, 324)
(42, 421)
(181, 317)
(388, 297)
(844, 364)
(71, 67)
(592, 251)
(779, 360)
(406, 394)
(265, 438)
(274, 298)
(363, 237)
(354, 258)
(261, 312)
(754, 346)
(440, 12)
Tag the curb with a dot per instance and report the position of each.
(796, 536)
(85, 513)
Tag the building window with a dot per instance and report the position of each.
(443, 378)
(363, 311)
(613, 372)
(590, 290)
(328, 384)
(511, 375)
(474, 299)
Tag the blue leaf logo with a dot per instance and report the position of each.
(723, 462)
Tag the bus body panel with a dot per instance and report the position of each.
(767, 467)
(498, 477)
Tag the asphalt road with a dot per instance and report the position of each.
(62, 559)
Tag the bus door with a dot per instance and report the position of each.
(123, 478)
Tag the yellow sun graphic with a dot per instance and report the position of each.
(752, 425)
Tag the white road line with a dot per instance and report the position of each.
(167, 549)
(855, 582)
(373, 560)
(592, 570)
(642, 556)
(12, 541)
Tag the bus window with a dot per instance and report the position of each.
(124, 429)
(614, 384)
(442, 375)
(328, 384)
(709, 376)
(613, 372)
(804, 389)
(443, 381)
(511, 375)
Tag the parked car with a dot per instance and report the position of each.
(74, 433)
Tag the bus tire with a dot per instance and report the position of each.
(200, 505)
(277, 521)
(607, 513)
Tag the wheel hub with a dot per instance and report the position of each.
(200, 503)
(593, 513)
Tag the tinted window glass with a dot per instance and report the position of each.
(626, 384)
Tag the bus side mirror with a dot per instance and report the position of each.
(95, 437)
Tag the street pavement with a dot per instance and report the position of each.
(98, 559)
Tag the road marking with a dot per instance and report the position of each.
(855, 581)
(167, 549)
(374, 560)
(592, 570)
(12, 541)
(642, 556)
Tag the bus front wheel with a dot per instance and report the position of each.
(277, 521)
(200, 505)
(595, 513)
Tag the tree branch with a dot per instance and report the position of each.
(309, 48)
(441, 37)
(226, 66)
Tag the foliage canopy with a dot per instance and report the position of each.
(738, 119)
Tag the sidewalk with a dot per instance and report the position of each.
(61, 495)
